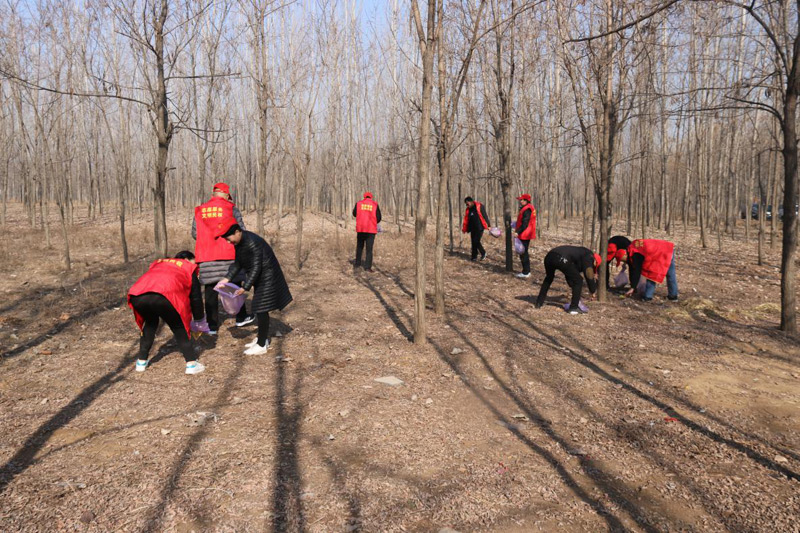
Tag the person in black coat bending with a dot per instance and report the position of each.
(263, 273)
(617, 242)
(572, 261)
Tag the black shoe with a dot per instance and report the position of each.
(247, 320)
(368, 270)
(537, 305)
(672, 298)
(483, 257)
(575, 311)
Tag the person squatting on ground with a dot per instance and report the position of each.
(475, 221)
(615, 243)
(526, 231)
(572, 261)
(168, 291)
(263, 273)
(368, 215)
(215, 256)
(654, 260)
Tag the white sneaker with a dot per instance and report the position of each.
(194, 367)
(212, 332)
(524, 276)
(251, 343)
(141, 365)
(257, 350)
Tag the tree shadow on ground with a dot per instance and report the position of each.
(25, 456)
(61, 326)
(390, 310)
(666, 408)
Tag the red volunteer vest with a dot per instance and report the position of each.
(171, 278)
(530, 232)
(209, 218)
(480, 215)
(367, 216)
(657, 257)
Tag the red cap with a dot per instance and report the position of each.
(612, 249)
(526, 197)
(222, 187)
(367, 194)
(223, 226)
(597, 261)
(619, 255)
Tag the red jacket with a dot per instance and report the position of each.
(171, 278)
(209, 218)
(367, 216)
(528, 233)
(466, 218)
(657, 257)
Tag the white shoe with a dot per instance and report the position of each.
(141, 365)
(257, 350)
(524, 276)
(248, 320)
(251, 343)
(194, 367)
(212, 332)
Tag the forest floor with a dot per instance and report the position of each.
(636, 416)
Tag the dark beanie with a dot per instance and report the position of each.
(468, 199)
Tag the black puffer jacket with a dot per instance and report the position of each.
(262, 272)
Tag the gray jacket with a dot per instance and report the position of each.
(213, 271)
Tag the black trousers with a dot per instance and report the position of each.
(525, 258)
(552, 262)
(154, 307)
(212, 308)
(263, 328)
(369, 240)
(477, 247)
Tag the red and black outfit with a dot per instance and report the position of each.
(215, 256)
(654, 260)
(526, 232)
(615, 243)
(475, 221)
(168, 291)
(368, 215)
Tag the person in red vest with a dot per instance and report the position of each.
(168, 291)
(368, 215)
(475, 221)
(526, 231)
(215, 256)
(654, 260)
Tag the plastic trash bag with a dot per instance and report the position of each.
(380, 229)
(230, 303)
(495, 232)
(199, 326)
(518, 246)
(581, 306)
(621, 279)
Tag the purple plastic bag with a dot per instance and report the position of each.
(495, 232)
(199, 326)
(581, 306)
(230, 303)
(518, 246)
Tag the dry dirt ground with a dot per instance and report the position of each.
(641, 417)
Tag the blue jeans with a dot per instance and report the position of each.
(672, 283)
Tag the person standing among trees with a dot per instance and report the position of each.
(168, 291)
(573, 261)
(368, 216)
(475, 221)
(526, 231)
(654, 260)
(215, 256)
(263, 273)
(615, 243)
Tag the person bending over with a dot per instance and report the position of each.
(572, 261)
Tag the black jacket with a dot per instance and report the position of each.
(583, 261)
(262, 272)
(474, 221)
